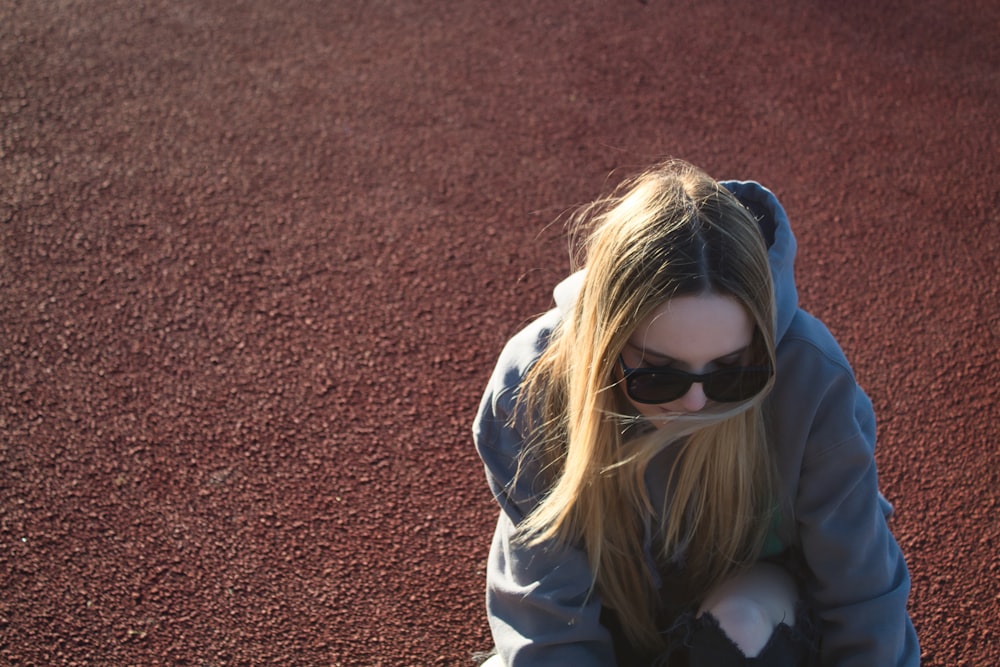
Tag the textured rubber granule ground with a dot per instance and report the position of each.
(258, 259)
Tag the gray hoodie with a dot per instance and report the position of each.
(539, 602)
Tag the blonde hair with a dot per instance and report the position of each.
(671, 231)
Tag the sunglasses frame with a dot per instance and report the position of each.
(705, 379)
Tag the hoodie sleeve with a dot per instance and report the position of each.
(539, 604)
(856, 575)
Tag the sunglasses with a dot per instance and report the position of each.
(662, 385)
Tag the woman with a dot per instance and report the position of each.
(682, 457)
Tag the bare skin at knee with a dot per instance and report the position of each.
(750, 606)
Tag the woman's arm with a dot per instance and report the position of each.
(539, 602)
(856, 576)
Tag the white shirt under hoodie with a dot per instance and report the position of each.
(539, 602)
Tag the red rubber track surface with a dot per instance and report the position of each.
(258, 259)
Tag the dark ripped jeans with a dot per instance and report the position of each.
(700, 642)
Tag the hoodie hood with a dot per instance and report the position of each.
(781, 248)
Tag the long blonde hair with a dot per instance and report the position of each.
(669, 232)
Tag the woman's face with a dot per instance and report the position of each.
(696, 334)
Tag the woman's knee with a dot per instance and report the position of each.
(750, 606)
(746, 622)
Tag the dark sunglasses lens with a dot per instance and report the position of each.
(738, 384)
(657, 387)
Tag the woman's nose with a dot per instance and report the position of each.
(695, 399)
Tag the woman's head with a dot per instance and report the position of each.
(690, 353)
(672, 234)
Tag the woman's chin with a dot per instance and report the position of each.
(662, 416)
